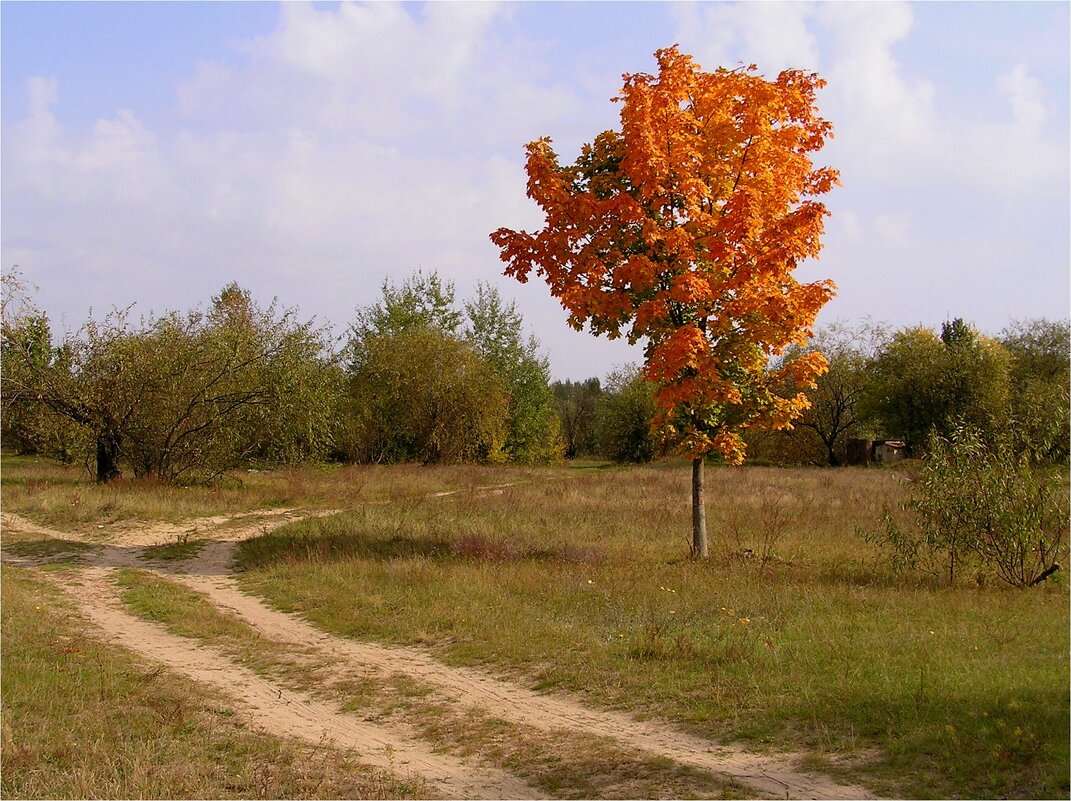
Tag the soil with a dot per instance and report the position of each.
(281, 711)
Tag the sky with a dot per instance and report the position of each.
(153, 152)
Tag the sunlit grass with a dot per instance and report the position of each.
(794, 635)
(66, 496)
(86, 720)
(564, 764)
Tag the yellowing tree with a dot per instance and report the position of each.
(683, 229)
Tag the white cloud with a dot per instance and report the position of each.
(887, 109)
(893, 230)
(889, 125)
(774, 35)
(350, 145)
(1025, 94)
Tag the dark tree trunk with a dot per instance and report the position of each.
(699, 512)
(834, 460)
(107, 457)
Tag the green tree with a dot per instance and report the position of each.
(921, 383)
(422, 301)
(577, 411)
(423, 395)
(979, 502)
(89, 380)
(836, 409)
(625, 413)
(495, 329)
(1040, 383)
(187, 397)
(26, 424)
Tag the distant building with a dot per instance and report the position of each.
(875, 451)
(889, 450)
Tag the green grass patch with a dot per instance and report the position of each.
(184, 611)
(795, 635)
(82, 719)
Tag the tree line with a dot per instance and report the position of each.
(188, 396)
(907, 384)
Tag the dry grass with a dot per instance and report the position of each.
(563, 764)
(795, 634)
(86, 720)
(66, 497)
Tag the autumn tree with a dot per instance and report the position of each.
(682, 230)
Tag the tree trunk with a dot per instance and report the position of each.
(107, 457)
(699, 512)
(834, 460)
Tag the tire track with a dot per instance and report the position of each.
(283, 712)
(769, 776)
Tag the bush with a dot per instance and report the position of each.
(983, 504)
(623, 423)
(423, 395)
(180, 397)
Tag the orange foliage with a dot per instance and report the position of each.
(683, 230)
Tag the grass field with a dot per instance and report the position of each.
(85, 720)
(794, 635)
(586, 766)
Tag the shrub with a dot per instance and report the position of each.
(424, 395)
(983, 503)
(623, 422)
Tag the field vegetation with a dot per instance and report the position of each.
(86, 720)
(797, 634)
(861, 616)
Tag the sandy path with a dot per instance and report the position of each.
(280, 711)
(772, 776)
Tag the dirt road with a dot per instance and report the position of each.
(283, 711)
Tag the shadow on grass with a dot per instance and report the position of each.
(586, 465)
(343, 537)
(46, 550)
(939, 743)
